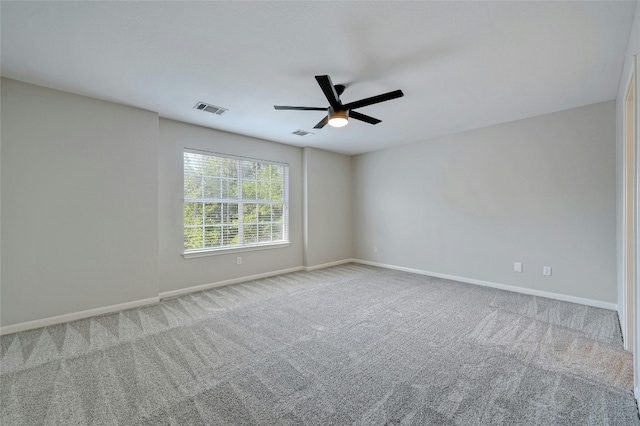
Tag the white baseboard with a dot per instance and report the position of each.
(137, 303)
(181, 291)
(328, 265)
(637, 395)
(8, 329)
(532, 292)
(29, 325)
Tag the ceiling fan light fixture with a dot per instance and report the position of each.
(339, 118)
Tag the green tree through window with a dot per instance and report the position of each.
(233, 202)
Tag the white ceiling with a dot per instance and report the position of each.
(461, 65)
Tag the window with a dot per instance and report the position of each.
(233, 202)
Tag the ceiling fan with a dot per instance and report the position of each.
(338, 113)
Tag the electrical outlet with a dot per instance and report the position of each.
(517, 266)
(375, 249)
(546, 270)
(239, 260)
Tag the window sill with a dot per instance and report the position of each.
(215, 252)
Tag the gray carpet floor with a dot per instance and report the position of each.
(349, 345)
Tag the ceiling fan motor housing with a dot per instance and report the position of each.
(341, 113)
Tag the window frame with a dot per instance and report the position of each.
(210, 251)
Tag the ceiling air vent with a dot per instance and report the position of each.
(210, 108)
(301, 133)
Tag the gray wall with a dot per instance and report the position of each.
(539, 191)
(79, 203)
(177, 272)
(328, 224)
(92, 204)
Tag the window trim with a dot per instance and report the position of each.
(213, 251)
(218, 251)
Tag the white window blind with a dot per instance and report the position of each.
(233, 202)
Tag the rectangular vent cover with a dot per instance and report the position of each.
(210, 108)
(301, 133)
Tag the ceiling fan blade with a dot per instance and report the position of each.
(322, 123)
(362, 117)
(329, 91)
(299, 108)
(374, 100)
